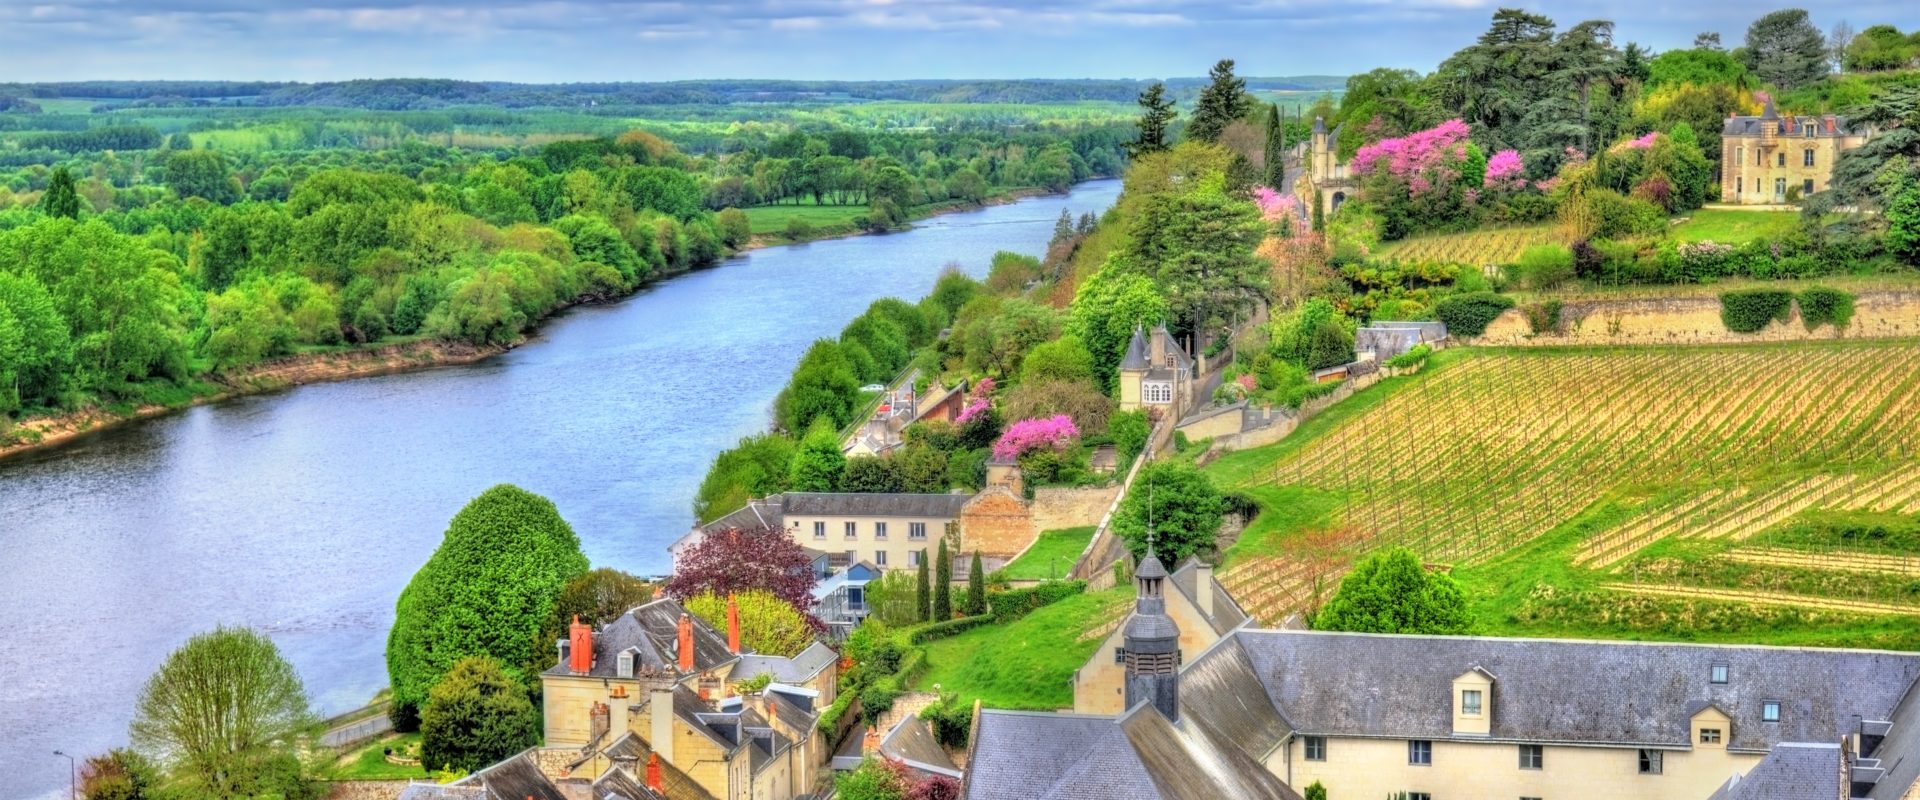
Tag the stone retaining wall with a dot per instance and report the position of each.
(1696, 320)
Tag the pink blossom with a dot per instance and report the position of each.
(1504, 167)
(1422, 158)
(1028, 435)
(1471, 196)
(1644, 142)
(977, 401)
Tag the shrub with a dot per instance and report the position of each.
(798, 228)
(1415, 356)
(476, 716)
(1016, 603)
(1129, 430)
(1390, 591)
(1543, 317)
(1588, 260)
(876, 700)
(950, 720)
(1470, 314)
(952, 627)
(1751, 310)
(1544, 266)
(1820, 305)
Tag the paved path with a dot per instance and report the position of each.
(356, 732)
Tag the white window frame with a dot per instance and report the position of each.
(1315, 748)
(852, 530)
(1806, 157)
(880, 531)
(913, 558)
(1652, 762)
(1420, 752)
(1770, 711)
(820, 529)
(879, 558)
(1156, 392)
(1471, 703)
(1538, 755)
(916, 530)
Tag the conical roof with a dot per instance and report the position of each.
(1136, 357)
(1150, 567)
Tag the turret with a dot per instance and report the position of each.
(1150, 646)
(1133, 369)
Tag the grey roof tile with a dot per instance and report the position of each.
(653, 632)
(1193, 761)
(632, 752)
(1792, 771)
(913, 743)
(1024, 755)
(1136, 356)
(1221, 687)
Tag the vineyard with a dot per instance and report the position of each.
(1565, 486)
(1482, 248)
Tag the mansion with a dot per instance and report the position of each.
(1774, 159)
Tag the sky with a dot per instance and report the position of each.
(585, 40)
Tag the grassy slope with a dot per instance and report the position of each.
(1734, 226)
(369, 763)
(1535, 589)
(1028, 663)
(1051, 555)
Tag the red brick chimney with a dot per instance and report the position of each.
(686, 642)
(733, 625)
(653, 774)
(580, 646)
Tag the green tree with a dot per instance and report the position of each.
(38, 344)
(597, 597)
(486, 591)
(1315, 791)
(976, 601)
(223, 714)
(923, 469)
(874, 779)
(1389, 591)
(873, 475)
(1063, 359)
(823, 386)
(922, 590)
(942, 584)
(475, 716)
(757, 466)
(819, 465)
(1903, 221)
(768, 624)
(1784, 49)
(202, 173)
(1275, 152)
(1178, 503)
(1156, 117)
(120, 774)
(1198, 248)
(61, 200)
(121, 298)
(1107, 309)
(1223, 101)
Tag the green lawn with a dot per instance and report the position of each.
(369, 763)
(1027, 664)
(824, 219)
(1051, 556)
(1734, 226)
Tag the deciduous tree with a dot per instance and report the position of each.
(120, 774)
(1178, 503)
(476, 716)
(223, 714)
(768, 624)
(743, 560)
(819, 465)
(1391, 592)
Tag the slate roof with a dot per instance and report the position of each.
(616, 784)
(653, 632)
(1899, 754)
(792, 710)
(760, 513)
(873, 504)
(516, 778)
(1194, 761)
(912, 743)
(435, 791)
(1035, 754)
(1791, 771)
(1628, 693)
(1221, 687)
(801, 668)
(1136, 357)
(1227, 613)
(1791, 127)
(631, 749)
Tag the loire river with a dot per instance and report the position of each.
(303, 513)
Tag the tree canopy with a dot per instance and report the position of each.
(743, 560)
(1179, 504)
(1390, 591)
(476, 716)
(225, 714)
(769, 625)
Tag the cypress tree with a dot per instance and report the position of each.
(61, 200)
(922, 591)
(1276, 150)
(1156, 112)
(976, 587)
(943, 585)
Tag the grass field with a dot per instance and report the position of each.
(369, 763)
(1481, 248)
(1028, 663)
(1051, 555)
(772, 220)
(1734, 226)
(1655, 492)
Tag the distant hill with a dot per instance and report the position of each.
(426, 93)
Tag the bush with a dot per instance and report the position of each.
(1415, 356)
(1588, 260)
(798, 229)
(1820, 305)
(1470, 314)
(1544, 266)
(876, 700)
(476, 716)
(1751, 310)
(952, 627)
(1543, 317)
(1129, 430)
(950, 720)
(1013, 604)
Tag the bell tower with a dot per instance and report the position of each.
(1151, 643)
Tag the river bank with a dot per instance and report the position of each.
(53, 430)
(915, 214)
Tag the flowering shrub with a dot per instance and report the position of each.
(1504, 170)
(978, 401)
(1424, 159)
(1248, 382)
(1027, 435)
(1644, 142)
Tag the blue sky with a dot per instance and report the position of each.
(579, 40)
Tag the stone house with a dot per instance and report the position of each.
(1770, 158)
(997, 522)
(1157, 374)
(659, 681)
(1265, 713)
(888, 531)
(1326, 179)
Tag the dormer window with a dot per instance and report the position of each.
(1473, 703)
(1709, 735)
(1770, 711)
(1719, 673)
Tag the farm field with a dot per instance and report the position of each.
(1481, 248)
(1757, 493)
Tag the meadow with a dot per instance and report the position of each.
(1756, 493)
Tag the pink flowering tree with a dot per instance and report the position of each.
(978, 401)
(1023, 437)
(1504, 171)
(1420, 180)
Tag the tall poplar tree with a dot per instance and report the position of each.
(922, 590)
(943, 585)
(1276, 150)
(1156, 114)
(1223, 101)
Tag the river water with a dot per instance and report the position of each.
(302, 513)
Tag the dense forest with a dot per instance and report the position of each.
(147, 253)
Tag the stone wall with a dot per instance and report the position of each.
(1696, 320)
(996, 522)
(1056, 507)
(366, 790)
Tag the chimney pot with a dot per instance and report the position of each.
(653, 773)
(733, 625)
(580, 646)
(686, 642)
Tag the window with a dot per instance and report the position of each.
(1419, 796)
(916, 530)
(879, 530)
(1529, 798)
(1470, 702)
(1806, 157)
(1709, 735)
(1719, 673)
(852, 557)
(1741, 155)
(819, 530)
(1156, 392)
(1770, 711)
(1739, 185)
(853, 530)
(1650, 762)
(879, 558)
(1169, 360)
(1419, 751)
(1806, 187)
(1316, 748)
(1532, 756)
(1780, 159)
(913, 558)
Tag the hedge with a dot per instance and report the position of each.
(942, 630)
(1820, 305)
(1414, 357)
(1470, 314)
(1016, 603)
(830, 718)
(1751, 310)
